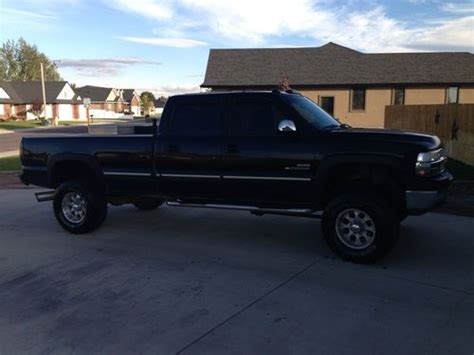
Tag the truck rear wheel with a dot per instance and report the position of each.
(360, 227)
(78, 207)
(148, 203)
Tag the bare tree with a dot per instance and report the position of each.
(284, 84)
(36, 109)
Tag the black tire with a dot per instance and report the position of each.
(148, 203)
(356, 240)
(95, 207)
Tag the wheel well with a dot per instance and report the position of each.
(72, 170)
(382, 180)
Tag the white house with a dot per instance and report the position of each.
(19, 98)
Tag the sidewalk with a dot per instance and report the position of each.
(11, 153)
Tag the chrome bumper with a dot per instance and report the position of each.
(423, 201)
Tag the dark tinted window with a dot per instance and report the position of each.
(312, 113)
(358, 99)
(197, 119)
(253, 118)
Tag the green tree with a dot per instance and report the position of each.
(147, 101)
(21, 61)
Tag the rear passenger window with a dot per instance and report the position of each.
(197, 119)
(253, 118)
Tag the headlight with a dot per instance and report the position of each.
(431, 163)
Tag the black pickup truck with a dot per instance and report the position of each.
(265, 152)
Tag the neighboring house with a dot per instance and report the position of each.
(131, 101)
(105, 102)
(18, 97)
(159, 104)
(354, 87)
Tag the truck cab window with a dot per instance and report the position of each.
(200, 119)
(253, 118)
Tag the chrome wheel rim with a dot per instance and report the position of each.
(74, 207)
(355, 228)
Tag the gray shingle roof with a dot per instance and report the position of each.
(27, 92)
(332, 65)
(128, 95)
(95, 93)
(160, 102)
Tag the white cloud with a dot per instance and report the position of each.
(249, 23)
(105, 67)
(165, 41)
(148, 8)
(172, 89)
(451, 35)
(460, 8)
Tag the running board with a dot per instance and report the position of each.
(45, 196)
(253, 210)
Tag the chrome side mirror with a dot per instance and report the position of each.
(286, 126)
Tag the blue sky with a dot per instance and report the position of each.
(163, 45)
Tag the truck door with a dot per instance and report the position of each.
(263, 165)
(190, 147)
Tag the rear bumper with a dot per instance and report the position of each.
(38, 177)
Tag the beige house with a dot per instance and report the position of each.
(131, 101)
(355, 87)
(105, 102)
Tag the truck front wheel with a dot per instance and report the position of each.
(360, 227)
(79, 208)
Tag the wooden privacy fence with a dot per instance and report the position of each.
(453, 123)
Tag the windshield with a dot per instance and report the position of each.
(311, 112)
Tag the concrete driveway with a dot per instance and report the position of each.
(198, 281)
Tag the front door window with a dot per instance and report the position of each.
(327, 104)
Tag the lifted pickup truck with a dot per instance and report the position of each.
(265, 152)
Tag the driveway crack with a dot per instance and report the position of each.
(243, 309)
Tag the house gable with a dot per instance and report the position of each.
(67, 93)
(112, 96)
(3, 94)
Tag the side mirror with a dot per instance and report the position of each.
(286, 126)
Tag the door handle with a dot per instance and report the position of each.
(232, 149)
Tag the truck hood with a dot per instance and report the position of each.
(421, 140)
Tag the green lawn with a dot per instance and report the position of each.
(19, 124)
(10, 164)
(14, 125)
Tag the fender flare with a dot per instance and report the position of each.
(89, 161)
(393, 162)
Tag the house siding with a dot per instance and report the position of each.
(466, 95)
(372, 116)
(5, 111)
(378, 98)
(425, 96)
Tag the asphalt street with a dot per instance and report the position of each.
(195, 281)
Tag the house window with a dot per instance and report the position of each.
(327, 104)
(399, 96)
(453, 95)
(358, 99)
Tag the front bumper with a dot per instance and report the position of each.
(418, 202)
(427, 193)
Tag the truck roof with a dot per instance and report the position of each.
(239, 92)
